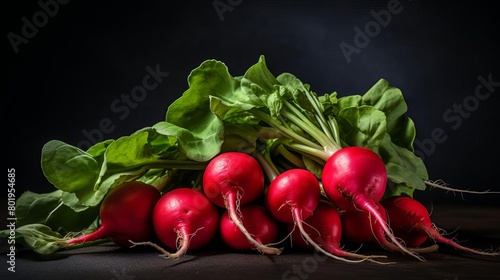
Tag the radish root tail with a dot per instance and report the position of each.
(233, 210)
(370, 209)
(440, 184)
(358, 258)
(164, 252)
(435, 235)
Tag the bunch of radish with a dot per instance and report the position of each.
(254, 161)
(236, 205)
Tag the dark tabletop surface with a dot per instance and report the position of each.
(473, 226)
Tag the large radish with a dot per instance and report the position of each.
(234, 179)
(411, 222)
(126, 214)
(356, 178)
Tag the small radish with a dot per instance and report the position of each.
(232, 180)
(256, 220)
(358, 227)
(356, 177)
(411, 222)
(292, 197)
(126, 214)
(325, 227)
(183, 219)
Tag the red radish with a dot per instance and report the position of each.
(325, 227)
(256, 220)
(184, 219)
(412, 223)
(356, 177)
(292, 197)
(234, 179)
(126, 214)
(358, 227)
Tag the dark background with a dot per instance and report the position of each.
(64, 79)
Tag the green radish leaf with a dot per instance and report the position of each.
(196, 118)
(405, 170)
(129, 152)
(241, 137)
(362, 126)
(72, 201)
(67, 167)
(93, 196)
(297, 91)
(313, 165)
(199, 145)
(97, 150)
(259, 74)
(41, 238)
(90, 175)
(55, 210)
(124, 160)
(347, 102)
(329, 102)
(259, 89)
(390, 100)
(398, 189)
(34, 208)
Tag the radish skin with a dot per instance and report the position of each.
(411, 222)
(259, 223)
(356, 177)
(232, 180)
(292, 197)
(125, 213)
(358, 227)
(184, 219)
(325, 226)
